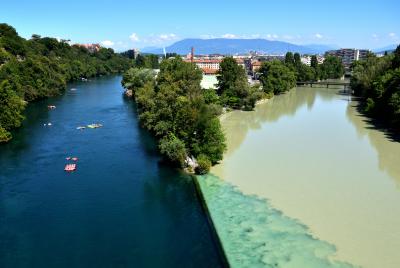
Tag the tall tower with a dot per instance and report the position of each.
(192, 55)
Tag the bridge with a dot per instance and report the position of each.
(324, 83)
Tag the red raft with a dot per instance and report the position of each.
(70, 167)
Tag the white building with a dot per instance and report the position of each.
(306, 60)
(349, 55)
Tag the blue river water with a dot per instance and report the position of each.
(122, 207)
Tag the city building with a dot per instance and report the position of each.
(306, 59)
(349, 55)
(255, 66)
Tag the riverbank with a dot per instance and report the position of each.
(310, 158)
(147, 216)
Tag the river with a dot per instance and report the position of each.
(310, 183)
(122, 207)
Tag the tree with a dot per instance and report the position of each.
(11, 108)
(332, 68)
(136, 78)
(140, 61)
(174, 149)
(232, 84)
(41, 67)
(305, 73)
(314, 62)
(396, 59)
(297, 60)
(174, 109)
(203, 165)
(289, 59)
(377, 80)
(276, 77)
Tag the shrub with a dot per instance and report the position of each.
(204, 165)
(174, 149)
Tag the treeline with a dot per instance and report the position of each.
(184, 117)
(149, 61)
(173, 107)
(280, 76)
(377, 80)
(40, 67)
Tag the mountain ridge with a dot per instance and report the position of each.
(227, 46)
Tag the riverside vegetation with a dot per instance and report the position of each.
(173, 108)
(184, 117)
(377, 81)
(41, 67)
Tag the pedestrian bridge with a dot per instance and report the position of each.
(324, 83)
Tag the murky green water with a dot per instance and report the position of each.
(334, 177)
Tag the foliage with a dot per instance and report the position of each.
(175, 110)
(289, 59)
(41, 67)
(331, 68)
(149, 61)
(204, 165)
(136, 78)
(314, 62)
(173, 148)
(233, 88)
(377, 80)
(276, 77)
(297, 60)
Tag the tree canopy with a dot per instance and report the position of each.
(377, 80)
(40, 67)
(276, 77)
(173, 108)
(233, 87)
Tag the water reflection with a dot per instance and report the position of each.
(388, 152)
(315, 159)
(237, 123)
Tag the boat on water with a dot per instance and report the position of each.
(80, 127)
(51, 107)
(94, 125)
(70, 167)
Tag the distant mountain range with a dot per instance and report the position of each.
(238, 46)
(387, 48)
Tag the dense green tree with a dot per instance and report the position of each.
(140, 61)
(174, 109)
(11, 107)
(171, 55)
(331, 68)
(377, 80)
(136, 78)
(396, 59)
(297, 60)
(314, 62)
(305, 73)
(152, 61)
(233, 87)
(174, 149)
(203, 165)
(41, 67)
(289, 59)
(276, 77)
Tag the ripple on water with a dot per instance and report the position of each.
(254, 234)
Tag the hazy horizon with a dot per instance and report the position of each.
(122, 25)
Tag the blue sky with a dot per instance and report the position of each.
(137, 24)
